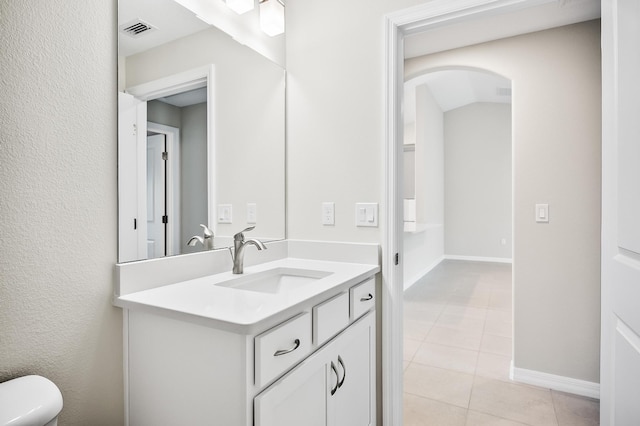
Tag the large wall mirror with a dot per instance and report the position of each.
(201, 130)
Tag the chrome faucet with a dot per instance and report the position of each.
(239, 243)
(206, 240)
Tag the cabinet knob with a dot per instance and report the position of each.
(296, 344)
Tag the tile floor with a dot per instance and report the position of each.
(457, 353)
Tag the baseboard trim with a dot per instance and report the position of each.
(479, 258)
(552, 381)
(421, 274)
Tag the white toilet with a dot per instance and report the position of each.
(29, 401)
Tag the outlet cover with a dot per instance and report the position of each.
(328, 214)
(225, 213)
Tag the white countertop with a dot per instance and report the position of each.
(246, 311)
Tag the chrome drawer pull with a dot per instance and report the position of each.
(286, 351)
(365, 299)
(344, 371)
(335, 370)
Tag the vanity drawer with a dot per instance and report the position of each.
(362, 298)
(330, 317)
(282, 347)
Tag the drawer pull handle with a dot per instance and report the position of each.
(296, 344)
(365, 299)
(344, 371)
(335, 371)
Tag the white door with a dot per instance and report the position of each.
(131, 112)
(620, 354)
(156, 196)
(299, 398)
(351, 403)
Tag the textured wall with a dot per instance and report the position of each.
(556, 84)
(58, 202)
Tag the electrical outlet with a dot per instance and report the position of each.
(252, 213)
(328, 214)
(225, 213)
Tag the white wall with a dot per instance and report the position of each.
(193, 174)
(556, 131)
(335, 120)
(424, 249)
(478, 181)
(58, 203)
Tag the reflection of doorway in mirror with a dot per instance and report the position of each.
(156, 195)
(162, 183)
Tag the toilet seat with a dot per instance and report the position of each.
(29, 400)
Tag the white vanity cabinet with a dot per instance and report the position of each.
(333, 387)
(313, 366)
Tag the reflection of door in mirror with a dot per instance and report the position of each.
(166, 173)
(157, 219)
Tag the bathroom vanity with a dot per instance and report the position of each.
(289, 342)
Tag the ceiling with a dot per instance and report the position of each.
(170, 20)
(453, 89)
(550, 14)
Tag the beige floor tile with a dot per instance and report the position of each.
(451, 337)
(458, 359)
(573, 410)
(524, 404)
(439, 384)
(475, 300)
(501, 301)
(461, 322)
(493, 366)
(497, 325)
(496, 345)
(426, 412)
(416, 329)
(467, 311)
(475, 418)
(410, 348)
(422, 312)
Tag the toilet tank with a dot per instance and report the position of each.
(29, 400)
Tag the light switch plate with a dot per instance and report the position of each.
(367, 214)
(542, 213)
(328, 214)
(225, 213)
(252, 213)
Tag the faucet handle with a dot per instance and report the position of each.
(240, 235)
(208, 233)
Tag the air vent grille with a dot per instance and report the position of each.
(136, 28)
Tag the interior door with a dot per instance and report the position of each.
(131, 230)
(620, 354)
(156, 196)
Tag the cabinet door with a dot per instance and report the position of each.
(299, 398)
(352, 404)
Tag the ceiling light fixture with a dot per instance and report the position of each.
(240, 6)
(272, 17)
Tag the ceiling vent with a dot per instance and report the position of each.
(136, 28)
(503, 91)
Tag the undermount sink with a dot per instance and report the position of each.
(276, 280)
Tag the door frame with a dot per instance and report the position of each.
(182, 82)
(396, 25)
